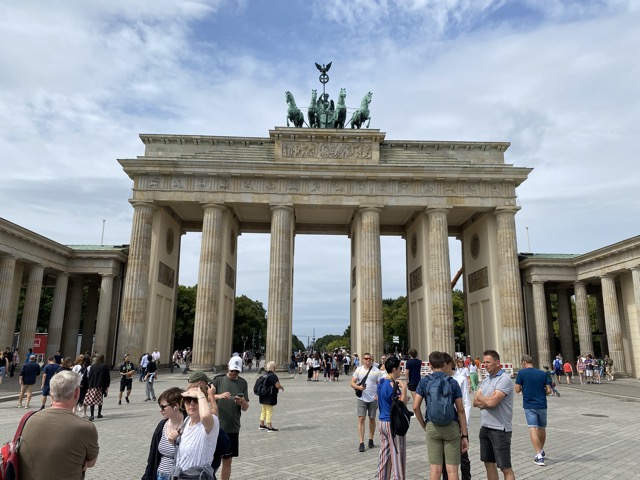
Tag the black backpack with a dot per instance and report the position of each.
(260, 388)
(400, 415)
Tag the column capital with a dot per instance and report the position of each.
(443, 209)
(506, 209)
(143, 204)
(281, 206)
(364, 208)
(207, 205)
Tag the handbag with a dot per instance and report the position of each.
(362, 382)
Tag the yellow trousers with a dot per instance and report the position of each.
(265, 414)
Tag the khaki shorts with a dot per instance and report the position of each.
(443, 443)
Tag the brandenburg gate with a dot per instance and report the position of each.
(326, 181)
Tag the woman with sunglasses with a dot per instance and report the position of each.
(197, 442)
(162, 451)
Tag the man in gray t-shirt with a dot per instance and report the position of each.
(365, 379)
(495, 400)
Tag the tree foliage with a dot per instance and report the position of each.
(185, 316)
(250, 320)
(394, 323)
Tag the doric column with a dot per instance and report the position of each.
(542, 331)
(582, 319)
(134, 299)
(90, 315)
(280, 285)
(7, 317)
(511, 310)
(30, 311)
(440, 282)
(70, 343)
(370, 278)
(612, 322)
(208, 297)
(635, 277)
(104, 314)
(56, 321)
(565, 325)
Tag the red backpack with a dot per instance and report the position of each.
(9, 461)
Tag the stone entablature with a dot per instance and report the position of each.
(296, 166)
(612, 259)
(28, 246)
(305, 184)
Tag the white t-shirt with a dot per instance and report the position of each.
(369, 393)
(466, 398)
(196, 447)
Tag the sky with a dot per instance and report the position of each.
(560, 80)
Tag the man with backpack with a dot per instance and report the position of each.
(495, 401)
(393, 451)
(445, 423)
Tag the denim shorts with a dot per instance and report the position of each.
(536, 417)
(495, 447)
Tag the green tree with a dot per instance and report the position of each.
(459, 321)
(394, 322)
(323, 342)
(185, 316)
(250, 319)
(296, 344)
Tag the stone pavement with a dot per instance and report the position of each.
(592, 434)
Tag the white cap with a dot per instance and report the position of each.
(235, 364)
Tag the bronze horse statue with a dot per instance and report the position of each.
(362, 113)
(312, 112)
(293, 112)
(340, 114)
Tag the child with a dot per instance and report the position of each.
(553, 384)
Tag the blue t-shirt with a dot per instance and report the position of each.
(533, 383)
(385, 395)
(49, 370)
(29, 372)
(413, 366)
(423, 388)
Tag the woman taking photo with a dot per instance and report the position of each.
(269, 400)
(197, 442)
(162, 452)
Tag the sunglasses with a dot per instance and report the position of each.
(162, 407)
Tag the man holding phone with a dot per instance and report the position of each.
(232, 397)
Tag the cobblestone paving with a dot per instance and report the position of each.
(592, 434)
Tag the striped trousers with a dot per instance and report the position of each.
(393, 458)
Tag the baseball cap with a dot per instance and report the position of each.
(235, 363)
(198, 376)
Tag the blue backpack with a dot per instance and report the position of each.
(440, 408)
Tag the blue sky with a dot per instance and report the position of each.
(558, 79)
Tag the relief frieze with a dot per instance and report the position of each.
(326, 150)
(328, 186)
